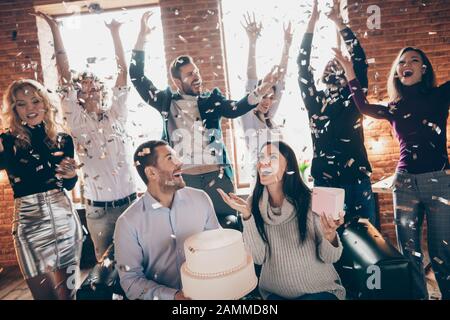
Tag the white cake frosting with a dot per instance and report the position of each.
(217, 266)
(213, 253)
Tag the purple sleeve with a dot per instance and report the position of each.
(2, 154)
(377, 111)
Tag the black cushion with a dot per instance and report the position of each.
(367, 255)
(103, 280)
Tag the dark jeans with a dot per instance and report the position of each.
(416, 197)
(311, 296)
(359, 199)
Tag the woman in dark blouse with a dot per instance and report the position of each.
(418, 112)
(40, 165)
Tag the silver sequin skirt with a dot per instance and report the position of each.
(47, 233)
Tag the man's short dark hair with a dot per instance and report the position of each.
(145, 155)
(176, 65)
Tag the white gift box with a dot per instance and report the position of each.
(328, 200)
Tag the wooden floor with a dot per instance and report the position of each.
(13, 287)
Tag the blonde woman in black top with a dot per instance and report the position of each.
(40, 165)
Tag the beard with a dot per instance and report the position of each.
(169, 184)
(188, 89)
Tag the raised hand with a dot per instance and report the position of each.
(288, 33)
(144, 32)
(329, 226)
(346, 64)
(252, 28)
(49, 19)
(315, 12)
(114, 25)
(66, 168)
(335, 13)
(62, 61)
(270, 80)
(235, 203)
(145, 28)
(313, 18)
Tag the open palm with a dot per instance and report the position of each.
(235, 202)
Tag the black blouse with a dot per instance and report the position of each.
(31, 169)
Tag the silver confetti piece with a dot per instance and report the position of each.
(156, 205)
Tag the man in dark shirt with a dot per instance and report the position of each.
(340, 158)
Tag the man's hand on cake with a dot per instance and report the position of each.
(180, 296)
(329, 227)
(236, 203)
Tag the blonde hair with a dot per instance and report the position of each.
(12, 119)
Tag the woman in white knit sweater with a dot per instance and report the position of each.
(295, 247)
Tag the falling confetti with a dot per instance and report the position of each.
(439, 261)
(350, 162)
(442, 200)
(405, 208)
(182, 38)
(303, 80)
(106, 262)
(124, 268)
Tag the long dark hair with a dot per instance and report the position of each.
(394, 85)
(294, 189)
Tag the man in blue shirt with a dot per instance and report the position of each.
(150, 234)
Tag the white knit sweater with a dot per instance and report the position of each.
(293, 268)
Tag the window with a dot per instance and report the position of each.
(90, 47)
(291, 112)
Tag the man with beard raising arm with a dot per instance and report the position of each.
(192, 119)
(150, 234)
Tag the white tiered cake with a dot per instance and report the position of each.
(217, 266)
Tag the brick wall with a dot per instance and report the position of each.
(17, 58)
(422, 24)
(198, 23)
(190, 27)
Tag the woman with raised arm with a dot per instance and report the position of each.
(418, 112)
(295, 247)
(101, 138)
(38, 158)
(258, 124)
